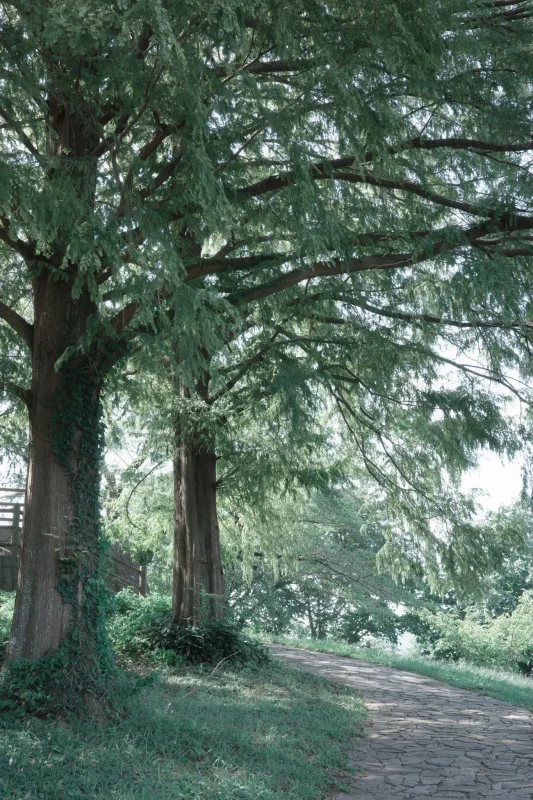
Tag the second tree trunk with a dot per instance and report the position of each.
(198, 581)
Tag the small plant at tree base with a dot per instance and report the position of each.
(143, 627)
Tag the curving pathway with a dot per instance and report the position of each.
(428, 739)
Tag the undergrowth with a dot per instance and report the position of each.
(142, 628)
(508, 686)
(265, 734)
(143, 634)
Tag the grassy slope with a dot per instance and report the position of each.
(266, 735)
(508, 686)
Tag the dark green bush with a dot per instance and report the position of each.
(144, 626)
(7, 603)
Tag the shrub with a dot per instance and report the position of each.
(7, 605)
(144, 626)
(505, 641)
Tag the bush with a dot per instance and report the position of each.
(504, 642)
(144, 626)
(7, 605)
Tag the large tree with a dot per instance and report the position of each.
(163, 166)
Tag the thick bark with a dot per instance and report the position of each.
(57, 587)
(62, 487)
(198, 581)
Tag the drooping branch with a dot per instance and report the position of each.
(16, 391)
(477, 372)
(245, 366)
(454, 323)
(18, 324)
(327, 169)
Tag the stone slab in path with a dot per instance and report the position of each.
(427, 739)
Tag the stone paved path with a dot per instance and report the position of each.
(427, 739)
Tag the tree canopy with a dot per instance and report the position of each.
(229, 153)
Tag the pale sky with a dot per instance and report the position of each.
(499, 480)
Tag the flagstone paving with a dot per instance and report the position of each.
(427, 739)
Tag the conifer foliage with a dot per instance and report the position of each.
(360, 167)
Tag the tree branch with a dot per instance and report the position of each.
(377, 262)
(408, 317)
(17, 391)
(24, 139)
(330, 171)
(322, 269)
(327, 169)
(18, 324)
(477, 372)
(505, 223)
(25, 249)
(210, 266)
(245, 367)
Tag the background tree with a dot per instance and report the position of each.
(326, 583)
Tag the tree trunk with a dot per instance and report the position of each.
(57, 589)
(198, 581)
(311, 621)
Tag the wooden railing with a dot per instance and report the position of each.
(11, 515)
(11, 518)
(123, 571)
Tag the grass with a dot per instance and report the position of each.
(265, 734)
(502, 685)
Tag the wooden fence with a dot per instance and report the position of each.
(123, 571)
(11, 516)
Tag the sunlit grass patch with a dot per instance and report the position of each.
(264, 734)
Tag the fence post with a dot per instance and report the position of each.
(15, 535)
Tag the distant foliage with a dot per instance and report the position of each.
(324, 581)
(505, 641)
(143, 627)
(378, 622)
